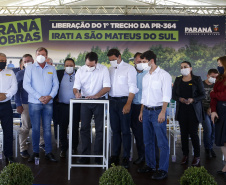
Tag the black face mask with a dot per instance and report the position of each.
(2, 65)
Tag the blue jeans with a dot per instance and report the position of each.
(38, 112)
(208, 132)
(120, 125)
(152, 128)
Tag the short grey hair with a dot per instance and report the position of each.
(50, 60)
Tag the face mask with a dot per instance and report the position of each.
(114, 63)
(139, 67)
(27, 64)
(90, 69)
(2, 65)
(146, 66)
(211, 80)
(221, 70)
(69, 70)
(185, 72)
(40, 59)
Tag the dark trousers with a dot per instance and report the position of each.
(64, 112)
(87, 111)
(55, 118)
(189, 126)
(120, 125)
(6, 117)
(137, 128)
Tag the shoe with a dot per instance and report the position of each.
(184, 160)
(146, 169)
(63, 154)
(213, 153)
(50, 157)
(115, 160)
(32, 157)
(159, 175)
(74, 152)
(125, 162)
(139, 160)
(84, 160)
(98, 160)
(25, 154)
(221, 172)
(196, 161)
(42, 147)
(208, 153)
(10, 160)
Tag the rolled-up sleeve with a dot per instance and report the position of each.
(106, 79)
(13, 88)
(132, 80)
(55, 87)
(167, 88)
(27, 83)
(77, 82)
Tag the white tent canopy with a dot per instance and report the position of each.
(115, 7)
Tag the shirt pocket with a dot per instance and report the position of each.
(122, 79)
(156, 85)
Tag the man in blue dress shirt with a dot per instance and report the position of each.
(21, 100)
(62, 103)
(41, 84)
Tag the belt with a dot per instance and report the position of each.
(153, 108)
(101, 98)
(2, 103)
(119, 98)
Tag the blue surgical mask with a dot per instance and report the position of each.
(221, 70)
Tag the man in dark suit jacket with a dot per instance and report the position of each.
(62, 106)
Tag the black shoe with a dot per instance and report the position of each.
(98, 160)
(146, 169)
(63, 154)
(139, 160)
(10, 159)
(125, 162)
(213, 153)
(159, 175)
(221, 172)
(115, 160)
(74, 152)
(50, 157)
(32, 157)
(84, 160)
(42, 147)
(208, 153)
(25, 154)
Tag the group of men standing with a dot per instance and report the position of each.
(138, 99)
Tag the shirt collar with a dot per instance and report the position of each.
(156, 70)
(37, 65)
(68, 74)
(121, 63)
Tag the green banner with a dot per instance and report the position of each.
(20, 32)
(112, 35)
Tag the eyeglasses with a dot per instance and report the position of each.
(71, 78)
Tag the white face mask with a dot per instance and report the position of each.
(27, 64)
(90, 69)
(212, 80)
(114, 63)
(142, 66)
(40, 59)
(69, 70)
(185, 72)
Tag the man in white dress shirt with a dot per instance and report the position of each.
(123, 89)
(8, 87)
(94, 82)
(156, 95)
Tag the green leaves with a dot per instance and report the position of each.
(116, 175)
(197, 176)
(16, 174)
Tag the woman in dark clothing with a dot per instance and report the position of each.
(218, 108)
(188, 91)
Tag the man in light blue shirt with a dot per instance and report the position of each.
(41, 84)
(62, 103)
(136, 125)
